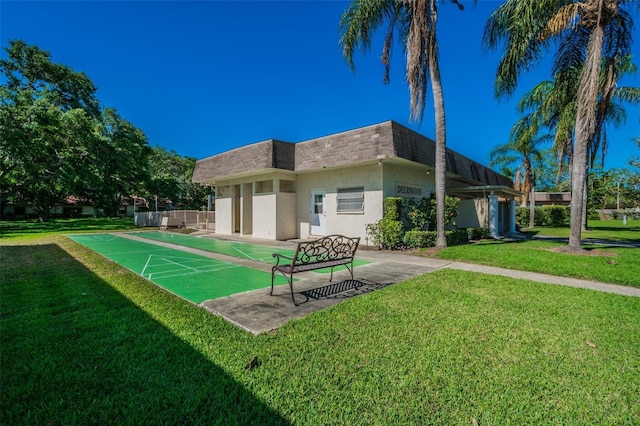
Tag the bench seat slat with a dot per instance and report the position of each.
(287, 269)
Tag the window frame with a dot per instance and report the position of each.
(349, 198)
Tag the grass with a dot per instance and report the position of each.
(85, 341)
(601, 262)
(612, 265)
(598, 229)
(16, 228)
(91, 343)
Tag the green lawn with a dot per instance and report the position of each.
(613, 229)
(16, 228)
(601, 262)
(613, 265)
(85, 341)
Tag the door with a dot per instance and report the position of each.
(318, 216)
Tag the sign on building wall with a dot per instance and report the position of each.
(408, 190)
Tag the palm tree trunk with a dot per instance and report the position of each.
(585, 129)
(585, 202)
(441, 137)
(532, 207)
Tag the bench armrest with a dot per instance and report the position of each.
(279, 256)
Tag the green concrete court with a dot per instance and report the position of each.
(254, 252)
(248, 251)
(193, 277)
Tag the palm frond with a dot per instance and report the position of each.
(359, 21)
(535, 97)
(566, 18)
(627, 94)
(571, 51)
(516, 26)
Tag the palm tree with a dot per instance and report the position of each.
(554, 103)
(609, 108)
(415, 22)
(522, 151)
(587, 30)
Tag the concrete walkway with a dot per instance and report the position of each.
(257, 312)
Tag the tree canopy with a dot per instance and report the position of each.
(57, 140)
(591, 36)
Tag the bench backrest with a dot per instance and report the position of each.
(332, 247)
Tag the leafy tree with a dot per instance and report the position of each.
(170, 178)
(587, 30)
(119, 165)
(47, 112)
(631, 180)
(56, 141)
(415, 22)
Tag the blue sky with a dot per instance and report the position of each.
(203, 77)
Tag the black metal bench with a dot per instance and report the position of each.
(326, 252)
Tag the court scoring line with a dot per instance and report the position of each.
(183, 274)
(216, 266)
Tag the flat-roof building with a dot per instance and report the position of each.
(336, 184)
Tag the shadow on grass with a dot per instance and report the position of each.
(614, 228)
(529, 232)
(77, 351)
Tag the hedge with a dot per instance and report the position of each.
(415, 239)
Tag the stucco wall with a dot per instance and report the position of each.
(472, 213)
(286, 225)
(351, 224)
(274, 216)
(264, 216)
(223, 215)
(397, 174)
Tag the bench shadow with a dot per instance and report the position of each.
(108, 360)
(345, 289)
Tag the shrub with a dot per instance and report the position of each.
(557, 215)
(385, 233)
(457, 237)
(414, 239)
(393, 208)
(419, 212)
(422, 213)
(392, 231)
(593, 214)
(478, 233)
(545, 216)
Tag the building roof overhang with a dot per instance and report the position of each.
(482, 191)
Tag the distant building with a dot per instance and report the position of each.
(552, 198)
(336, 184)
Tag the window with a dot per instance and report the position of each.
(351, 200)
(318, 203)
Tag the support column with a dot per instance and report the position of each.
(512, 216)
(493, 216)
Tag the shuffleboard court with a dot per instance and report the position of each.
(193, 277)
(254, 252)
